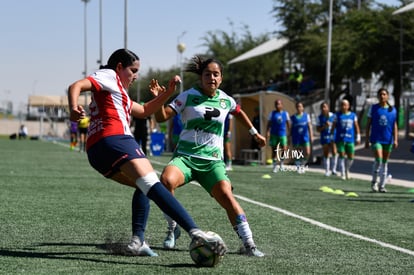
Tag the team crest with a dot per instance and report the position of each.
(223, 103)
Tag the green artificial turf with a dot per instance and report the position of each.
(59, 216)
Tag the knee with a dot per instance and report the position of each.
(222, 192)
(168, 180)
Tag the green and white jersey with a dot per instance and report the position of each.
(203, 120)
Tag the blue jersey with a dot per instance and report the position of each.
(345, 127)
(326, 136)
(382, 124)
(300, 129)
(278, 122)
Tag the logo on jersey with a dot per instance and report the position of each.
(223, 103)
(178, 103)
(383, 120)
(279, 119)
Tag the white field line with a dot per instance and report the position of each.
(327, 227)
(313, 222)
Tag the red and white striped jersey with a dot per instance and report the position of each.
(110, 107)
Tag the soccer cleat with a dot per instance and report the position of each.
(275, 169)
(327, 174)
(169, 242)
(382, 190)
(216, 244)
(374, 187)
(229, 168)
(135, 248)
(251, 251)
(334, 173)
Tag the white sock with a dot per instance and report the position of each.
(281, 163)
(375, 171)
(383, 174)
(342, 166)
(326, 164)
(245, 234)
(334, 162)
(349, 163)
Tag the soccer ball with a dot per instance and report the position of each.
(202, 255)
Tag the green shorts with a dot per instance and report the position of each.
(380, 146)
(275, 140)
(345, 147)
(301, 145)
(206, 172)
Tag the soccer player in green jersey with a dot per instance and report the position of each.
(199, 152)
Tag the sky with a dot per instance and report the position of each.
(42, 41)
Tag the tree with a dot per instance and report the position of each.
(249, 73)
(365, 40)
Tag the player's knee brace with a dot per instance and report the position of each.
(146, 182)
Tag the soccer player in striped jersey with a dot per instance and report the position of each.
(347, 133)
(199, 153)
(113, 151)
(382, 131)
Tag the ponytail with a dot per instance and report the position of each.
(389, 107)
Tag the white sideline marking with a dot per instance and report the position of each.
(327, 227)
(296, 216)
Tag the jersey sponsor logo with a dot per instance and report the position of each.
(211, 112)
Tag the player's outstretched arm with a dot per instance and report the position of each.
(161, 94)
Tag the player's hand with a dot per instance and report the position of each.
(261, 140)
(77, 113)
(395, 144)
(155, 88)
(173, 83)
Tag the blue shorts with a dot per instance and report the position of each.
(326, 139)
(108, 154)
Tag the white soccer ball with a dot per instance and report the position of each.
(201, 253)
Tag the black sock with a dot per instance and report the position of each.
(140, 212)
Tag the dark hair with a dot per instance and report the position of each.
(198, 64)
(324, 103)
(123, 56)
(388, 93)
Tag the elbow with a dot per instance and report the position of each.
(159, 118)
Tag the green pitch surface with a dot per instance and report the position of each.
(59, 216)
